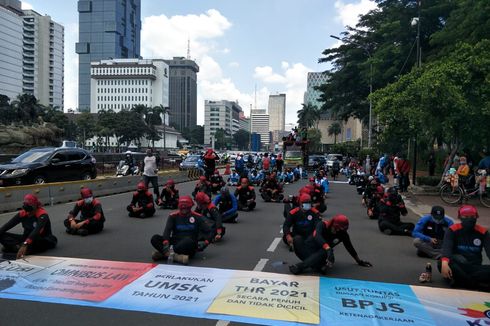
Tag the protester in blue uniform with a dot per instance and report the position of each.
(429, 233)
(227, 205)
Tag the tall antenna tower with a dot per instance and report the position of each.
(188, 48)
(255, 100)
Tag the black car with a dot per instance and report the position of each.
(48, 164)
(316, 161)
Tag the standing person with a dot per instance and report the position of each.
(240, 164)
(91, 215)
(279, 162)
(266, 162)
(429, 233)
(404, 172)
(182, 231)
(150, 171)
(431, 161)
(317, 251)
(36, 237)
(461, 262)
(484, 163)
(142, 204)
(210, 158)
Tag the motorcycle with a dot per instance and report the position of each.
(124, 170)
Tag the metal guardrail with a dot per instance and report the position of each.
(11, 198)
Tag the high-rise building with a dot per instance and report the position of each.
(43, 59)
(277, 115)
(108, 29)
(11, 49)
(122, 83)
(312, 95)
(183, 92)
(244, 122)
(220, 115)
(259, 120)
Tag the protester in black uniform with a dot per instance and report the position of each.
(293, 201)
(91, 215)
(390, 209)
(216, 181)
(202, 185)
(142, 204)
(317, 195)
(279, 163)
(300, 222)
(182, 232)
(37, 236)
(317, 250)
(461, 262)
(169, 197)
(210, 158)
(271, 190)
(212, 215)
(245, 195)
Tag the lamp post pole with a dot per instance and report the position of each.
(370, 123)
(419, 64)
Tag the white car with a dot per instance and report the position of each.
(331, 158)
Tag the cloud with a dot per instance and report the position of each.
(71, 67)
(292, 81)
(348, 13)
(26, 5)
(234, 64)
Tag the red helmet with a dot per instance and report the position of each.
(311, 179)
(304, 198)
(216, 171)
(244, 180)
(202, 198)
(310, 188)
(304, 190)
(185, 202)
(86, 193)
(170, 182)
(202, 178)
(467, 211)
(141, 186)
(380, 189)
(31, 200)
(340, 222)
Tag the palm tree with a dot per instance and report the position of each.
(165, 111)
(334, 129)
(26, 107)
(308, 115)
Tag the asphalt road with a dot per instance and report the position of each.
(250, 244)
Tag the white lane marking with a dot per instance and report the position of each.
(335, 181)
(280, 229)
(274, 244)
(261, 264)
(222, 323)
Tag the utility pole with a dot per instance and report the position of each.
(419, 64)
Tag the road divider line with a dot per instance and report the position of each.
(274, 244)
(261, 264)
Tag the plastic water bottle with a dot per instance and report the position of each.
(428, 269)
(171, 253)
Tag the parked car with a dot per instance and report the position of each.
(189, 163)
(48, 164)
(331, 158)
(316, 161)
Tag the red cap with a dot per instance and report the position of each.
(202, 178)
(185, 202)
(340, 222)
(202, 198)
(304, 198)
(141, 186)
(86, 193)
(467, 211)
(311, 179)
(170, 182)
(31, 200)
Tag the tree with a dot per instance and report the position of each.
(27, 108)
(220, 140)
(334, 129)
(242, 139)
(106, 125)
(308, 115)
(315, 138)
(86, 125)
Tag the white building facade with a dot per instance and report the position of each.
(119, 84)
(259, 120)
(10, 53)
(220, 115)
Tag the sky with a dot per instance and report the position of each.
(243, 47)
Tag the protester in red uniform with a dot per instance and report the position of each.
(212, 215)
(91, 215)
(300, 222)
(37, 236)
(245, 195)
(142, 204)
(169, 196)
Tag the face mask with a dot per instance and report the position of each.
(28, 208)
(468, 223)
(141, 191)
(88, 200)
(306, 206)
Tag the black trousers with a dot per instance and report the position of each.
(244, 206)
(154, 183)
(182, 246)
(92, 227)
(396, 228)
(311, 256)
(11, 241)
(230, 218)
(468, 275)
(146, 212)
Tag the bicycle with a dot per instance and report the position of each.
(454, 194)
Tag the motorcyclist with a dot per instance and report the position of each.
(245, 194)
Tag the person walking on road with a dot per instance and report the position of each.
(36, 237)
(150, 172)
(429, 233)
(182, 231)
(403, 166)
(91, 219)
(461, 262)
(317, 251)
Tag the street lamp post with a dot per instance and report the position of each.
(419, 64)
(370, 126)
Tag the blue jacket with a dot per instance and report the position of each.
(232, 210)
(426, 228)
(239, 164)
(234, 177)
